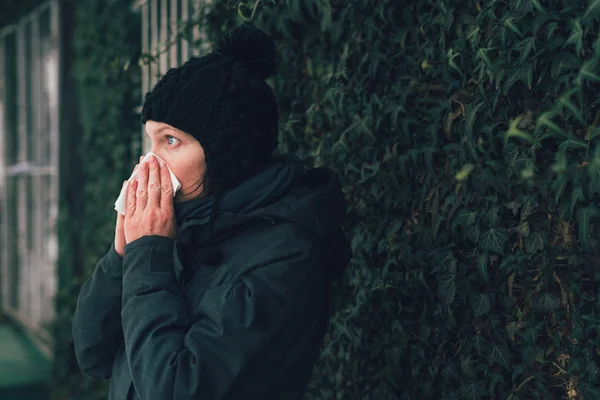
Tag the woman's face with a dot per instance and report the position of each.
(184, 155)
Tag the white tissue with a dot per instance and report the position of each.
(121, 200)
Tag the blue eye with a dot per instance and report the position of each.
(171, 137)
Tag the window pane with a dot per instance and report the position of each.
(45, 94)
(11, 240)
(28, 111)
(11, 121)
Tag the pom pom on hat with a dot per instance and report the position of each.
(252, 47)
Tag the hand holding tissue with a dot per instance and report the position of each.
(120, 204)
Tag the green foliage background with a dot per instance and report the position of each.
(106, 47)
(465, 134)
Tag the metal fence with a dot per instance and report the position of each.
(29, 139)
(161, 22)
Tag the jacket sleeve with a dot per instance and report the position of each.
(97, 330)
(171, 357)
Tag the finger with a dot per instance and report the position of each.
(153, 183)
(141, 193)
(166, 196)
(131, 199)
(141, 158)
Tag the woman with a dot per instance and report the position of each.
(221, 292)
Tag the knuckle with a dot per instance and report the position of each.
(167, 187)
(154, 186)
(141, 193)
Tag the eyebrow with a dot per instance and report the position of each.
(159, 130)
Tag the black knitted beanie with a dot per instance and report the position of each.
(223, 100)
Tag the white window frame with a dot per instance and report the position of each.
(159, 30)
(32, 281)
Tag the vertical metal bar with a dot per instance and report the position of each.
(185, 43)
(44, 40)
(4, 249)
(196, 34)
(174, 49)
(154, 40)
(52, 272)
(164, 36)
(146, 75)
(36, 82)
(145, 49)
(22, 182)
(154, 65)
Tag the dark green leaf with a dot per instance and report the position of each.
(534, 243)
(447, 286)
(465, 218)
(495, 379)
(533, 354)
(466, 366)
(471, 391)
(585, 217)
(482, 262)
(498, 354)
(545, 302)
(494, 240)
(481, 304)
(474, 233)
(478, 344)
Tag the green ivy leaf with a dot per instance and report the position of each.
(559, 186)
(568, 104)
(533, 354)
(534, 243)
(510, 24)
(585, 217)
(587, 390)
(573, 143)
(466, 365)
(471, 391)
(545, 120)
(481, 304)
(538, 6)
(450, 373)
(465, 218)
(471, 118)
(478, 344)
(530, 335)
(482, 263)
(447, 286)
(545, 302)
(576, 195)
(576, 37)
(474, 233)
(497, 354)
(512, 328)
(593, 9)
(494, 240)
(495, 379)
(587, 71)
(492, 216)
(563, 62)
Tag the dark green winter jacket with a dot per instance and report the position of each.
(163, 326)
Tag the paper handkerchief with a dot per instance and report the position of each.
(120, 203)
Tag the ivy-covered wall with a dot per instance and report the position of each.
(466, 137)
(103, 46)
(465, 134)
